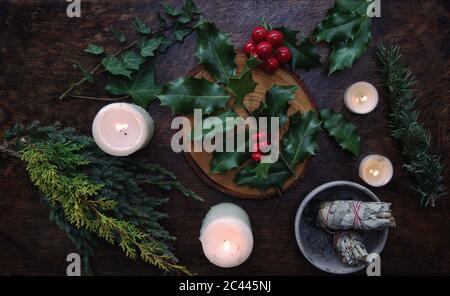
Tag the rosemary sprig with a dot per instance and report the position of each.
(427, 168)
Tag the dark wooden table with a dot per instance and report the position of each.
(38, 42)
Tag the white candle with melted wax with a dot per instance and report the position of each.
(121, 129)
(361, 97)
(226, 235)
(376, 170)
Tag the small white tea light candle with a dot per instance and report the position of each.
(376, 170)
(121, 129)
(226, 235)
(361, 97)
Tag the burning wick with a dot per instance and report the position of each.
(226, 245)
(121, 127)
(374, 172)
(362, 99)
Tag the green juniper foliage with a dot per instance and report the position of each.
(91, 194)
(405, 126)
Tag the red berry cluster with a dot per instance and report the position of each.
(258, 143)
(268, 47)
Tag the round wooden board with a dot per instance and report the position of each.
(200, 161)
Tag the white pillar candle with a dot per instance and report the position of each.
(226, 235)
(361, 97)
(121, 129)
(376, 170)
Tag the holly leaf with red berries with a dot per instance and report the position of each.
(304, 53)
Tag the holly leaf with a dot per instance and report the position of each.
(225, 118)
(170, 9)
(132, 60)
(347, 27)
(186, 94)
(338, 27)
(276, 103)
(94, 49)
(342, 130)
(346, 52)
(141, 27)
(243, 84)
(141, 88)
(181, 31)
(222, 162)
(304, 55)
(118, 35)
(115, 66)
(300, 141)
(262, 170)
(356, 6)
(215, 51)
(87, 75)
(254, 176)
(148, 46)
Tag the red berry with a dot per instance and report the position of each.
(256, 156)
(249, 47)
(271, 65)
(283, 54)
(263, 146)
(264, 50)
(259, 34)
(275, 38)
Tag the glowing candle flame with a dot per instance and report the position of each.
(374, 172)
(226, 245)
(120, 127)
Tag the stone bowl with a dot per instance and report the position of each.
(315, 243)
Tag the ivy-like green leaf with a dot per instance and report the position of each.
(94, 49)
(132, 60)
(300, 141)
(148, 46)
(190, 7)
(165, 44)
(87, 75)
(342, 130)
(346, 52)
(305, 55)
(118, 35)
(276, 103)
(181, 30)
(186, 94)
(141, 87)
(141, 27)
(170, 9)
(115, 66)
(254, 176)
(162, 21)
(215, 51)
(243, 84)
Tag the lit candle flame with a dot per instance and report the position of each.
(226, 245)
(374, 172)
(120, 127)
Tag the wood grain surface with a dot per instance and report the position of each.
(302, 101)
(38, 43)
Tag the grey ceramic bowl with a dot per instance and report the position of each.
(315, 243)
